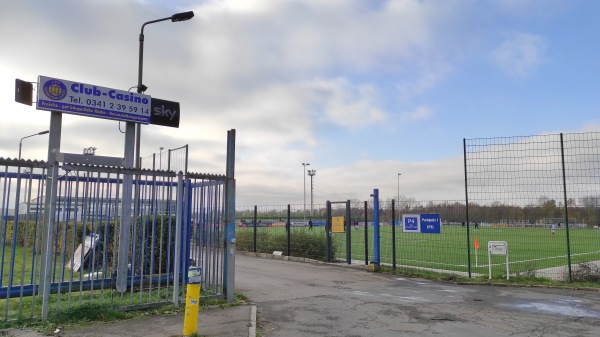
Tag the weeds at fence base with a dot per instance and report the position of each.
(585, 272)
(82, 314)
(372, 267)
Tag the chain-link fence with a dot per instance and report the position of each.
(540, 195)
(175, 160)
(533, 202)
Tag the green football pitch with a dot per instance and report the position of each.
(529, 249)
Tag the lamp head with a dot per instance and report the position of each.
(182, 16)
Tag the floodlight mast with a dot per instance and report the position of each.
(304, 187)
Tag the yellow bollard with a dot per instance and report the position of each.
(192, 302)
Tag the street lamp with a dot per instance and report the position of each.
(35, 134)
(398, 200)
(304, 175)
(311, 173)
(141, 87)
(160, 158)
(398, 195)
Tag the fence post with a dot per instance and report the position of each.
(328, 231)
(467, 207)
(186, 158)
(376, 243)
(254, 222)
(177, 258)
(348, 234)
(50, 209)
(393, 235)
(562, 155)
(288, 229)
(230, 244)
(47, 238)
(366, 235)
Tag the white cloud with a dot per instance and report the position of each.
(420, 113)
(428, 74)
(520, 54)
(289, 76)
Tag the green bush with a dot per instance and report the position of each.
(32, 232)
(67, 237)
(303, 244)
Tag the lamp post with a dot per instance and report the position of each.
(160, 158)
(35, 134)
(312, 174)
(19, 172)
(304, 176)
(398, 195)
(184, 16)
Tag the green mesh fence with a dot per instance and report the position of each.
(540, 195)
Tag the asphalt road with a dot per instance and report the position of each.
(309, 299)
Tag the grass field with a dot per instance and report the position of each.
(529, 249)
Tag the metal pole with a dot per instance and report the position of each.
(35, 134)
(348, 234)
(50, 212)
(304, 165)
(125, 228)
(393, 236)
(254, 222)
(177, 270)
(229, 264)
(562, 155)
(328, 230)
(366, 236)
(312, 174)
(398, 195)
(311, 194)
(376, 253)
(467, 208)
(288, 229)
(160, 158)
(140, 87)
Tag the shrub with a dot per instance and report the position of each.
(303, 244)
(586, 272)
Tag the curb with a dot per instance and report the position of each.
(252, 327)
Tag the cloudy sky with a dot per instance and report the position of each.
(360, 89)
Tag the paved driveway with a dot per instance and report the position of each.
(308, 299)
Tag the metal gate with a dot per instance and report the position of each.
(72, 257)
(344, 215)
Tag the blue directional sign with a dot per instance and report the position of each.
(421, 223)
(431, 223)
(411, 223)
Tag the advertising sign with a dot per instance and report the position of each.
(94, 101)
(421, 223)
(165, 113)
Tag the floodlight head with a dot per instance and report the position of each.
(182, 16)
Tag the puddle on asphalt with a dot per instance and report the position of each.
(561, 307)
